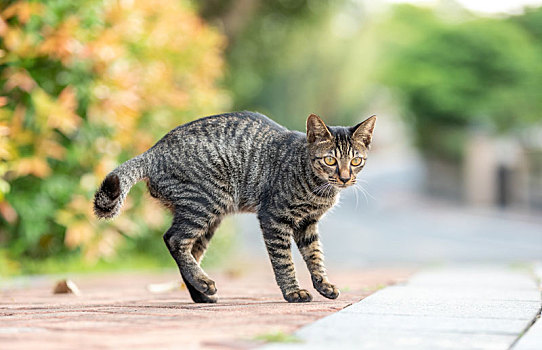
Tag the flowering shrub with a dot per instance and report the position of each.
(85, 85)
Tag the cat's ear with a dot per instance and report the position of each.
(317, 129)
(363, 132)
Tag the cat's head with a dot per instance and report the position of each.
(338, 153)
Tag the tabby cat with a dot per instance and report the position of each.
(245, 162)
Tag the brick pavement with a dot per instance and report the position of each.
(117, 311)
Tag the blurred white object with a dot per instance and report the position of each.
(66, 287)
(164, 287)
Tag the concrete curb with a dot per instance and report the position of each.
(471, 307)
(532, 339)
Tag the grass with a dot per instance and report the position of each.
(345, 289)
(277, 337)
(521, 266)
(374, 288)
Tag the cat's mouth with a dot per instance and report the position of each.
(340, 184)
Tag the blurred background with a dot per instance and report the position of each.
(455, 173)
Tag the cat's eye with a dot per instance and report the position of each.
(356, 161)
(330, 160)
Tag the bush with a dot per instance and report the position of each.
(86, 85)
(451, 75)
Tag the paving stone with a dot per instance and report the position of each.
(353, 323)
(455, 308)
(511, 310)
(485, 276)
(415, 292)
(532, 340)
(406, 341)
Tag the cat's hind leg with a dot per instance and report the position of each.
(185, 239)
(198, 250)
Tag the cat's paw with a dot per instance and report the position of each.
(299, 296)
(204, 299)
(206, 286)
(327, 289)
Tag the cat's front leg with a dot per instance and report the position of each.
(308, 242)
(277, 237)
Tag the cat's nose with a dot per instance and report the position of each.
(344, 179)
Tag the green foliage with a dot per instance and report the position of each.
(448, 69)
(474, 72)
(284, 59)
(531, 21)
(86, 85)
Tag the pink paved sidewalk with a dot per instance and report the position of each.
(117, 311)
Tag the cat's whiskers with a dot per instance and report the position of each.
(364, 191)
(328, 189)
(320, 188)
(356, 193)
(332, 183)
(319, 191)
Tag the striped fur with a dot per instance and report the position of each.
(245, 162)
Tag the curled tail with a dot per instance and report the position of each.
(109, 198)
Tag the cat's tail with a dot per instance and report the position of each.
(109, 198)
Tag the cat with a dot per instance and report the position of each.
(245, 162)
